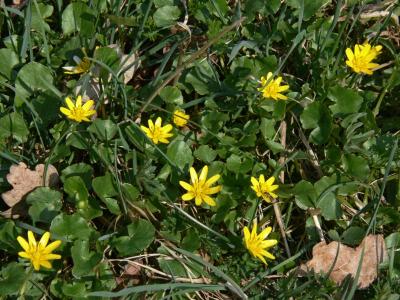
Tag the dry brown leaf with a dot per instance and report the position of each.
(24, 180)
(348, 259)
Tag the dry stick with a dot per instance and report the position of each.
(182, 67)
(277, 210)
(314, 213)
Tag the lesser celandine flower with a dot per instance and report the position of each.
(158, 133)
(361, 59)
(180, 118)
(257, 244)
(77, 111)
(82, 65)
(39, 253)
(200, 187)
(264, 189)
(272, 88)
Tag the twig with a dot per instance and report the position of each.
(314, 213)
(277, 210)
(278, 216)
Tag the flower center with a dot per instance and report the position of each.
(78, 113)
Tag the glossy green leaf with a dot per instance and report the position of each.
(346, 100)
(84, 260)
(70, 227)
(13, 125)
(166, 15)
(44, 203)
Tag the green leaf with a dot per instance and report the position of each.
(171, 94)
(45, 204)
(130, 191)
(84, 259)
(12, 278)
(305, 194)
(239, 164)
(327, 202)
(70, 227)
(166, 15)
(104, 186)
(267, 128)
(191, 241)
(140, 235)
(353, 235)
(310, 7)
(38, 22)
(31, 78)
(77, 16)
(109, 57)
(105, 189)
(346, 100)
(105, 130)
(8, 60)
(356, 166)
(74, 290)
(205, 153)
(8, 235)
(180, 154)
(84, 171)
(13, 125)
(75, 187)
(316, 116)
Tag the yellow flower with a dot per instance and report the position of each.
(273, 88)
(156, 132)
(180, 118)
(38, 253)
(264, 188)
(77, 111)
(361, 59)
(200, 187)
(257, 244)
(82, 66)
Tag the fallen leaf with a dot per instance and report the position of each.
(348, 259)
(24, 180)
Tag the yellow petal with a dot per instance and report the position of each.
(65, 111)
(349, 54)
(193, 175)
(167, 128)
(270, 181)
(268, 243)
(44, 239)
(187, 196)
(24, 244)
(210, 201)
(52, 246)
(158, 122)
(213, 179)
(246, 233)
(198, 200)
(265, 232)
(261, 179)
(79, 101)
(45, 264)
(69, 102)
(36, 265)
(88, 104)
(203, 174)
(24, 254)
(254, 181)
(151, 125)
(213, 190)
(186, 185)
(31, 239)
(50, 256)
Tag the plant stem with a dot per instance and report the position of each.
(278, 216)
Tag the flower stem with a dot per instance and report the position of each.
(278, 216)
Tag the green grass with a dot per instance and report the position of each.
(332, 145)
